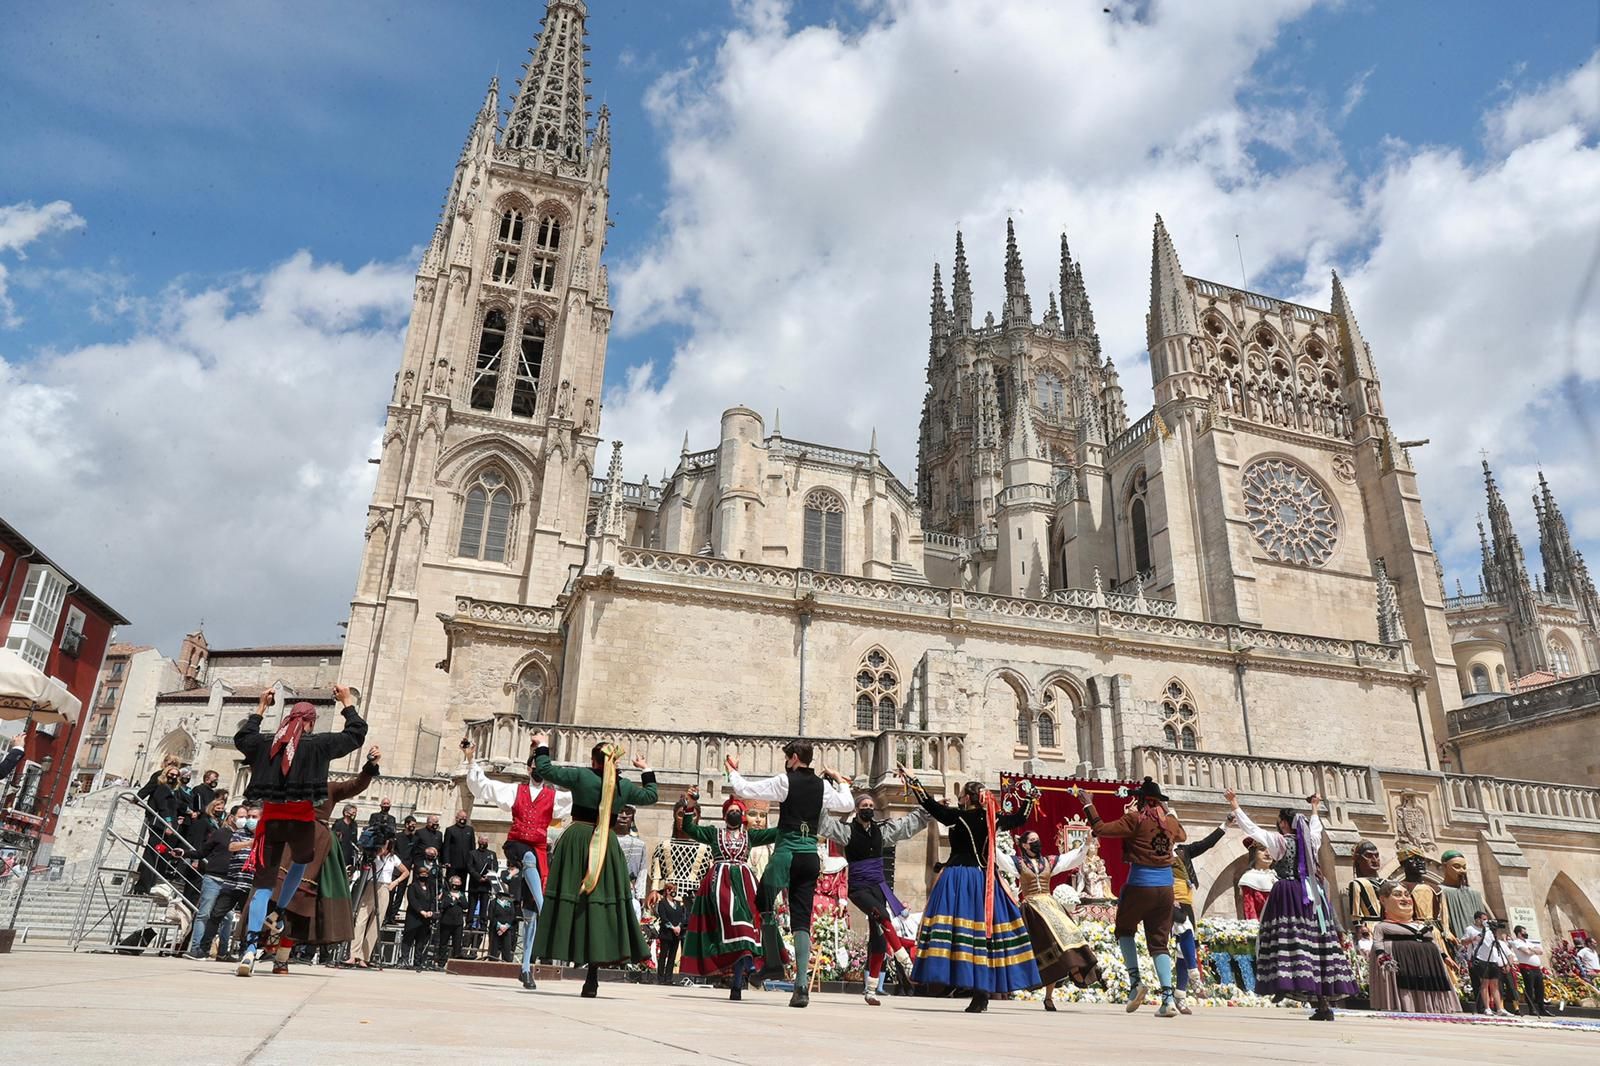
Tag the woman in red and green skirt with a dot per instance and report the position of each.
(724, 934)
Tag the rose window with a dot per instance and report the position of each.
(1289, 513)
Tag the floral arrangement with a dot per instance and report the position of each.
(1067, 895)
(1235, 936)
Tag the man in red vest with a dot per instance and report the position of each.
(533, 805)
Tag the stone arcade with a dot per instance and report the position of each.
(1063, 589)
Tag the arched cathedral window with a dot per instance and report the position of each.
(486, 518)
(824, 532)
(1139, 524)
(530, 693)
(1050, 394)
(894, 540)
(1560, 656)
(1480, 678)
(529, 362)
(486, 377)
(1057, 708)
(508, 247)
(546, 251)
(877, 692)
(1180, 720)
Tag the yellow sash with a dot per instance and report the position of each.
(602, 822)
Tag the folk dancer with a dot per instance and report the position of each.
(801, 794)
(724, 932)
(1184, 881)
(1148, 832)
(1298, 950)
(866, 841)
(533, 805)
(320, 912)
(588, 902)
(1060, 949)
(972, 936)
(289, 778)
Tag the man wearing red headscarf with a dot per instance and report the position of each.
(289, 778)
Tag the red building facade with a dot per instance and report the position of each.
(64, 629)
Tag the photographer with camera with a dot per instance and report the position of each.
(381, 873)
(1487, 959)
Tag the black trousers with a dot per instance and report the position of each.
(868, 899)
(666, 957)
(503, 946)
(450, 942)
(1533, 990)
(414, 945)
(804, 869)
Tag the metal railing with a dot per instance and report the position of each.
(111, 879)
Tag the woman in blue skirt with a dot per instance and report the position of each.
(973, 936)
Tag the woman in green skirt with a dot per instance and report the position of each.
(587, 918)
(724, 934)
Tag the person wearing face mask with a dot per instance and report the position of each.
(422, 907)
(802, 795)
(973, 937)
(430, 836)
(670, 920)
(533, 805)
(452, 920)
(483, 871)
(866, 841)
(160, 796)
(456, 852)
(217, 922)
(1059, 946)
(225, 839)
(724, 930)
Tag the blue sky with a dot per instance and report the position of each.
(219, 157)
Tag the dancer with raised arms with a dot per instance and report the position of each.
(588, 917)
(801, 795)
(972, 936)
(533, 805)
(865, 841)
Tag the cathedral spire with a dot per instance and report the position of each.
(939, 314)
(961, 288)
(1352, 346)
(1052, 316)
(1024, 442)
(1018, 309)
(1171, 313)
(551, 115)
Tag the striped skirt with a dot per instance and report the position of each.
(953, 948)
(1298, 952)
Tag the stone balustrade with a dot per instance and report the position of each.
(1200, 777)
(1259, 779)
(1135, 435)
(514, 615)
(422, 795)
(1562, 696)
(683, 758)
(1121, 617)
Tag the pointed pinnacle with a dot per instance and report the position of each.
(685, 442)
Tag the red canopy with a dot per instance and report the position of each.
(1111, 799)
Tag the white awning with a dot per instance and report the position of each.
(26, 690)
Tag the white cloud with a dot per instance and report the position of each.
(1572, 100)
(21, 225)
(214, 464)
(815, 176)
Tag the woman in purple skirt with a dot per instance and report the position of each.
(1298, 950)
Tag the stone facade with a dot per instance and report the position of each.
(1242, 578)
(1542, 734)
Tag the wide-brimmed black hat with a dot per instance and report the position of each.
(1148, 789)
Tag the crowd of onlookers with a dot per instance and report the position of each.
(439, 889)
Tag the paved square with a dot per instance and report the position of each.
(65, 1008)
